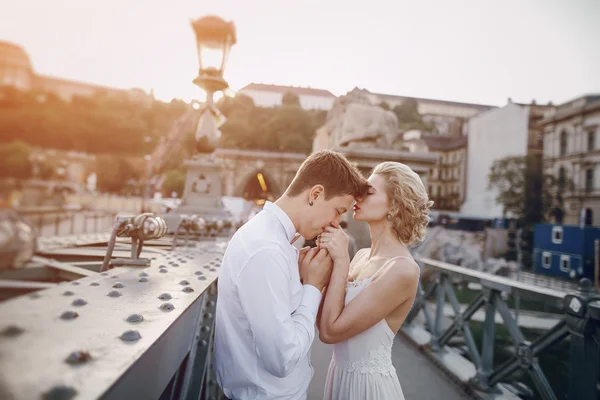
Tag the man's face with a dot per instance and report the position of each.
(324, 213)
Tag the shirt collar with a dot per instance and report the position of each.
(288, 225)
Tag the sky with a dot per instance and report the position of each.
(475, 51)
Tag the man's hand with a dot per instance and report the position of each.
(335, 240)
(315, 267)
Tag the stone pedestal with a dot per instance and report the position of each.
(202, 192)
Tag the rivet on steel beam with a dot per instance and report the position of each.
(175, 265)
(104, 273)
(34, 296)
(60, 393)
(12, 331)
(205, 329)
(114, 293)
(167, 307)
(204, 343)
(94, 284)
(184, 282)
(142, 274)
(208, 315)
(118, 285)
(75, 283)
(163, 271)
(69, 315)
(206, 266)
(130, 336)
(184, 261)
(134, 318)
(201, 278)
(163, 266)
(79, 302)
(165, 296)
(211, 303)
(68, 293)
(78, 357)
(212, 269)
(199, 273)
(115, 276)
(144, 279)
(188, 289)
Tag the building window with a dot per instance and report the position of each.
(591, 139)
(561, 179)
(546, 259)
(563, 143)
(557, 234)
(565, 262)
(589, 180)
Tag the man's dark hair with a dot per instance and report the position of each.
(331, 169)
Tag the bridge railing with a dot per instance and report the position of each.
(127, 332)
(578, 323)
(61, 222)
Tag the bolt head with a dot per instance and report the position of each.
(69, 315)
(118, 285)
(78, 357)
(94, 284)
(79, 302)
(135, 318)
(165, 296)
(60, 393)
(130, 336)
(12, 331)
(68, 293)
(144, 279)
(114, 293)
(167, 307)
(184, 282)
(187, 289)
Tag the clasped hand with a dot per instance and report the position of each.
(335, 240)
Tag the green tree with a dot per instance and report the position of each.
(522, 189)
(408, 115)
(114, 173)
(290, 99)
(174, 182)
(15, 161)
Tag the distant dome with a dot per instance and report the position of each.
(15, 67)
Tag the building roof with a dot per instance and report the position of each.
(444, 143)
(580, 105)
(14, 55)
(481, 107)
(300, 91)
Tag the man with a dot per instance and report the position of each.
(268, 296)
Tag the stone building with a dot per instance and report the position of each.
(446, 181)
(572, 154)
(496, 134)
(16, 70)
(272, 95)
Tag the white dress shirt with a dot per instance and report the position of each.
(265, 318)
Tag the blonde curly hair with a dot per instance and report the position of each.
(408, 199)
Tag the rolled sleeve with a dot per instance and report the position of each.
(281, 338)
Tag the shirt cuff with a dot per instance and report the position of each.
(311, 298)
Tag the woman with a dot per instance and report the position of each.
(368, 299)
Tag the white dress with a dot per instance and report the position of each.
(361, 367)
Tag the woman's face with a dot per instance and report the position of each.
(374, 205)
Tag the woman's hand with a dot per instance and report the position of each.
(335, 240)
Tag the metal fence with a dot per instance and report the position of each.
(62, 222)
(578, 324)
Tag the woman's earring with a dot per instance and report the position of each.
(310, 203)
(389, 217)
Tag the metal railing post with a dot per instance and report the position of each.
(582, 317)
(439, 314)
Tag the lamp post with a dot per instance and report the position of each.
(214, 38)
(202, 192)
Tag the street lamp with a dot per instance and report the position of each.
(214, 38)
(202, 192)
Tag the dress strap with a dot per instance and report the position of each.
(386, 263)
